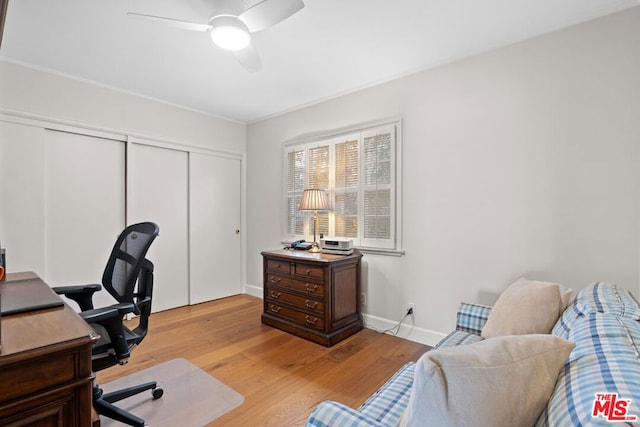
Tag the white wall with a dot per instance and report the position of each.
(54, 96)
(521, 161)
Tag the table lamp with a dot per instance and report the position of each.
(315, 200)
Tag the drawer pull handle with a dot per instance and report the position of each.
(311, 287)
(311, 304)
(310, 319)
(275, 294)
(275, 280)
(308, 272)
(277, 267)
(275, 308)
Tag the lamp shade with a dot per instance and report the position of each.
(314, 199)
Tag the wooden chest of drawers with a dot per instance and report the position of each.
(313, 296)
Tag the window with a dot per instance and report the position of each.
(360, 171)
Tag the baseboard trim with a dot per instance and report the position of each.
(407, 331)
(255, 291)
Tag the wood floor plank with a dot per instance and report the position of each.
(282, 377)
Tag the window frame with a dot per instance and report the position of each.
(333, 137)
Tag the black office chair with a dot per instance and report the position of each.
(126, 268)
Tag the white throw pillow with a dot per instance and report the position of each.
(525, 307)
(503, 381)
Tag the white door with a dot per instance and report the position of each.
(83, 207)
(158, 192)
(22, 196)
(214, 227)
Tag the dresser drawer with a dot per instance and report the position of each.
(38, 374)
(302, 318)
(298, 285)
(308, 270)
(282, 267)
(301, 302)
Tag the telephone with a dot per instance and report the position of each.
(301, 244)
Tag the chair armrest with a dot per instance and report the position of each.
(143, 305)
(330, 413)
(472, 317)
(100, 315)
(82, 294)
(77, 289)
(125, 308)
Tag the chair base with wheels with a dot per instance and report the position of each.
(103, 403)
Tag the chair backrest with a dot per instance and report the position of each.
(127, 259)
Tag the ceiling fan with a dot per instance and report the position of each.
(232, 23)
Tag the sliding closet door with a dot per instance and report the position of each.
(158, 192)
(214, 221)
(84, 206)
(22, 196)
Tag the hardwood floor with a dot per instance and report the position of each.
(282, 377)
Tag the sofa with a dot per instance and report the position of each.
(597, 384)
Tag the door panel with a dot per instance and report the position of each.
(158, 192)
(84, 207)
(214, 220)
(22, 196)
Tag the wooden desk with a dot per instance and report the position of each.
(45, 366)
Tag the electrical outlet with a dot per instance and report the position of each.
(363, 299)
(411, 309)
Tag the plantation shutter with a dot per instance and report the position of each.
(346, 186)
(296, 172)
(378, 194)
(358, 172)
(319, 178)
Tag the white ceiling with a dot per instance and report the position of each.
(330, 47)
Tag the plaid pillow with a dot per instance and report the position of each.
(607, 298)
(605, 360)
(598, 297)
(567, 320)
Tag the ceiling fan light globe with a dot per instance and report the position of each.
(229, 33)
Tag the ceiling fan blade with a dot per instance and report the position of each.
(268, 13)
(249, 59)
(177, 23)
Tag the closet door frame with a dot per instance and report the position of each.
(53, 123)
